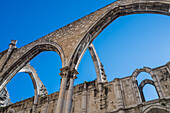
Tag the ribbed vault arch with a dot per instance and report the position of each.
(39, 88)
(115, 10)
(33, 51)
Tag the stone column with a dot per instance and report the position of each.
(84, 100)
(64, 74)
(73, 74)
(119, 96)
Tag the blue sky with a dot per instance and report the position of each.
(128, 43)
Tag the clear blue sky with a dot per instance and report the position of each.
(128, 43)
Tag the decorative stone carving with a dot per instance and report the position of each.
(4, 98)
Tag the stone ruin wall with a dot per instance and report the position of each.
(105, 101)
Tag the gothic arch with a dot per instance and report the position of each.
(32, 51)
(144, 69)
(39, 88)
(115, 10)
(38, 85)
(100, 72)
(138, 89)
(142, 84)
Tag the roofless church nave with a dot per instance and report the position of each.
(122, 95)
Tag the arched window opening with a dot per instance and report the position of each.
(150, 93)
(20, 87)
(131, 41)
(86, 69)
(47, 65)
(142, 76)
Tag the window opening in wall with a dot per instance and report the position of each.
(150, 92)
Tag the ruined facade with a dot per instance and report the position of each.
(122, 95)
(71, 42)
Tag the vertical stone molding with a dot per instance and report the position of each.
(136, 91)
(119, 96)
(100, 87)
(84, 99)
(66, 90)
(73, 76)
(158, 86)
(64, 75)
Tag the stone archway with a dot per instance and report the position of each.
(142, 84)
(139, 95)
(39, 87)
(144, 69)
(25, 56)
(100, 72)
(112, 12)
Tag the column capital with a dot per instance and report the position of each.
(64, 72)
(74, 72)
(68, 72)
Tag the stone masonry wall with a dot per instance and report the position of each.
(116, 95)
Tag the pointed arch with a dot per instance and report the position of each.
(113, 11)
(100, 72)
(138, 89)
(39, 87)
(141, 86)
(144, 69)
(28, 55)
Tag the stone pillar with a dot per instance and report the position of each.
(100, 86)
(157, 86)
(84, 99)
(136, 90)
(64, 74)
(73, 74)
(119, 96)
